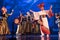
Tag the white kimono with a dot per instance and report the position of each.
(45, 20)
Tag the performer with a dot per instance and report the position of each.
(5, 16)
(19, 22)
(24, 24)
(58, 22)
(44, 27)
(16, 21)
(28, 16)
(35, 23)
(28, 23)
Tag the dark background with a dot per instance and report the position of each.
(26, 5)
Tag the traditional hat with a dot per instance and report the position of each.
(41, 5)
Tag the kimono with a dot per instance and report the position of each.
(19, 26)
(28, 25)
(35, 27)
(1, 27)
(24, 23)
(35, 23)
(58, 22)
(19, 29)
(5, 25)
(45, 22)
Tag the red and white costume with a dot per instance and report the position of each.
(36, 15)
(44, 19)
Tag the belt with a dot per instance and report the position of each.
(43, 16)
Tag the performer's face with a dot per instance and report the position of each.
(16, 21)
(42, 8)
(4, 10)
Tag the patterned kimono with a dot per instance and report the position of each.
(1, 26)
(5, 25)
(27, 25)
(21, 26)
(24, 22)
(35, 23)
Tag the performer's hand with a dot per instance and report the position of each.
(20, 12)
(50, 7)
(12, 10)
(31, 11)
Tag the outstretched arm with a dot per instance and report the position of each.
(11, 12)
(31, 11)
(49, 12)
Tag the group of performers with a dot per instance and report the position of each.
(32, 22)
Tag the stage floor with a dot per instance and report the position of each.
(28, 37)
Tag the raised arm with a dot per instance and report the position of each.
(31, 11)
(49, 12)
(11, 12)
(51, 8)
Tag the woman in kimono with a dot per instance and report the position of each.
(18, 21)
(5, 16)
(28, 23)
(57, 15)
(35, 25)
(44, 26)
